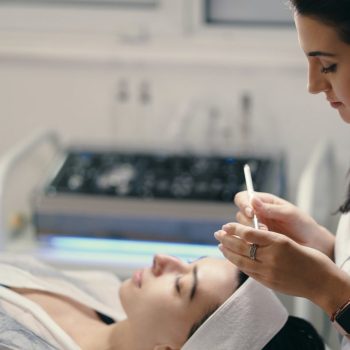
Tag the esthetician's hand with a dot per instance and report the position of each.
(283, 217)
(282, 264)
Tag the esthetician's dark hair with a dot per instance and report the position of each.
(335, 14)
(345, 207)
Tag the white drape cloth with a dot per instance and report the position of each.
(249, 319)
(96, 289)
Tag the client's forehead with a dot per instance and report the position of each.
(217, 277)
(217, 263)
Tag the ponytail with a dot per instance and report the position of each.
(345, 207)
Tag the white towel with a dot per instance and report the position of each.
(249, 319)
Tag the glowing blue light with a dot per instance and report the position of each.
(131, 248)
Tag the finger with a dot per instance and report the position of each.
(238, 246)
(241, 200)
(243, 219)
(242, 262)
(263, 227)
(250, 234)
(271, 210)
(235, 244)
(259, 202)
(269, 198)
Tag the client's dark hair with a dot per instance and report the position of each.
(242, 277)
(296, 334)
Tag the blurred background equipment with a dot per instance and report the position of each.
(117, 208)
(147, 196)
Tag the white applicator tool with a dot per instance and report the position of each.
(250, 189)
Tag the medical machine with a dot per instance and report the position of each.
(115, 208)
(160, 197)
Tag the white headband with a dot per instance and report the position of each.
(248, 319)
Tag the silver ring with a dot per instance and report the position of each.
(252, 251)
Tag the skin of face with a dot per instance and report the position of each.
(158, 302)
(329, 62)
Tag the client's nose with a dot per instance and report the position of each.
(166, 263)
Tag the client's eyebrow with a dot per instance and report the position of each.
(320, 53)
(195, 282)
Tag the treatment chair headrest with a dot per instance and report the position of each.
(248, 319)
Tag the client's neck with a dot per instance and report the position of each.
(117, 336)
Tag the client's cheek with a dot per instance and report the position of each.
(129, 296)
(123, 295)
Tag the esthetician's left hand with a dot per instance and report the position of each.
(281, 263)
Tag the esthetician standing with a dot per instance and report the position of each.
(296, 255)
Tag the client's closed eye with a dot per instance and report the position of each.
(178, 285)
(191, 291)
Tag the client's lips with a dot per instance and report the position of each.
(137, 278)
(335, 104)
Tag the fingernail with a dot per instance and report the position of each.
(257, 203)
(263, 227)
(249, 212)
(217, 235)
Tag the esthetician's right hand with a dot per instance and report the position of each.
(281, 216)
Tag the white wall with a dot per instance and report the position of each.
(72, 80)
